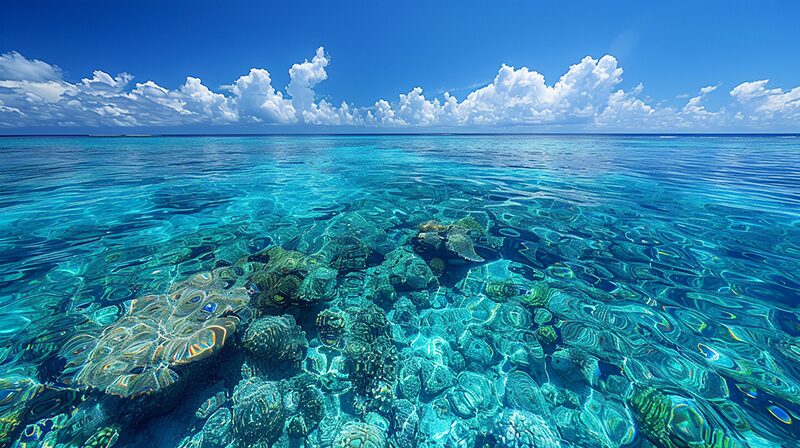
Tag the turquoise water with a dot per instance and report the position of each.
(541, 291)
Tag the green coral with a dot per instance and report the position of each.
(539, 295)
(546, 334)
(675, 422)
(501, 290)
(103, 438)
(283, 277)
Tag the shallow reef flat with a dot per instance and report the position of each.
(400, 291)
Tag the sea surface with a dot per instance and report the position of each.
(403, 291)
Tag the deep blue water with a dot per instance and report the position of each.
(504, 290)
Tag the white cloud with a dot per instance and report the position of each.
(303, 79)
(257, 100)
(15, 67)
(587, 97)
(757, 103)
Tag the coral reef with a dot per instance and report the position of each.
(376, 331)
(274, 340)
(457, 238)
(259, 411)
(360, 435)
(140, 352)
(285, 277)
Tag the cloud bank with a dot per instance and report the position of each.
(587, 97)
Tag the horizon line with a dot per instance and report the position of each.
(429, 134)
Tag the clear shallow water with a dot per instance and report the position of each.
(500, 290)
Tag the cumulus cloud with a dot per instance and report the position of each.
(15, 67)
(587, 97)
(757, 103)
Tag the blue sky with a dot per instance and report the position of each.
(663, 54)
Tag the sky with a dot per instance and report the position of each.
(412, 66)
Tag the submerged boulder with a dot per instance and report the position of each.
(258, 412)
(276, 339)
(458, 238)
(360, 435)
(286, 277)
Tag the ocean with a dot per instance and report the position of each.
(400, 290)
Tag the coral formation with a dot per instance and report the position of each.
(360, 435)
(275, 339)
(458, 238)
(259, 411)
(374, 330)
(285, 277)
(140, 352)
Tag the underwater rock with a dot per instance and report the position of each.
(373, 372)
(409, 383)
(510, 322)
(330, 327)
(406, 319)
(217, 429)
(330, 369)
(435, 378)
(258, 411)
(542, 316)
(211, 405)
(457, 238)
(296, 427)
(193, 441)
(449, 322)
(437, 266)
(539, 295)
(569, 423)
(360, 435)
(140, 352)
(401, 271)
(456, 362)
(499, 280)
(478, 353)
(306, 401)
(520, 429)
(405, 424)
(522, 392)
(350, 242)
(372, 357)
(608, 422)
(319, 285)
(675, 422)
(87, 419)
(276, 339)
(286, 277)
(407, 271)
(474, 394)
(561, 361)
